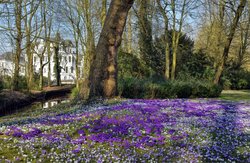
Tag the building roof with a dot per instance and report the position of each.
(67, 43)
(9, 56)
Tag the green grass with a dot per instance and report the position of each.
(235, 95)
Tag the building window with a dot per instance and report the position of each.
(69, 58)
(72, 69)
(66, 69)
(34, 59)
(44, 70)
(65, 59)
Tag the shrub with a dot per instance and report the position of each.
(152, 90)
(6, 82)
(227, 84)
(131, 88)
(206, 90)
(138, 88)
(75, 93)
(215, 91)
(22, 83)
(130, 65)
(238, 77)
(1, 84)
(242, 84)
(183, 89)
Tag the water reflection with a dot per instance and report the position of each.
(51, 103)
(45, 104)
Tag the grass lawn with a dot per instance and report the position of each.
(174, 130)
(235, 95)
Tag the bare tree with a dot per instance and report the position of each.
(162, 9)
(230, 37)
(45, 44)
(18, 39)
(176, 33)
(244, 37)
(74, 16)
(30, 9)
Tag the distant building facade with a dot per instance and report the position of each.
(67, 61)
(7, 65)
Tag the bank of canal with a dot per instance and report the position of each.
(12, 101)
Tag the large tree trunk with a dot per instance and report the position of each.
(103, 76)
(229, 40)
(18, 21)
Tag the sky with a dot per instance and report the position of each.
(190, 27)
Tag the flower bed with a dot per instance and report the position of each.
(134, 131)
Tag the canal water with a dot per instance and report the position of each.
(45, 104)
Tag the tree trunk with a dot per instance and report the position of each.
(18, 21)
(76, 64)
(30, 61)
(167, 48)
(57, 67)
(176, 35)
(229, 40)
(90, 49)
(103, 76)
(145, 35)
(28, 32)
(167, 58)
(220, 39)
(29, 55)
(130, 32)
(41, 73)
(244, 35)
(76, 38)
(104, 9)
(49, 57)
(30, 70)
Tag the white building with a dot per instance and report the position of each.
(7, 65)
(67, 60)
